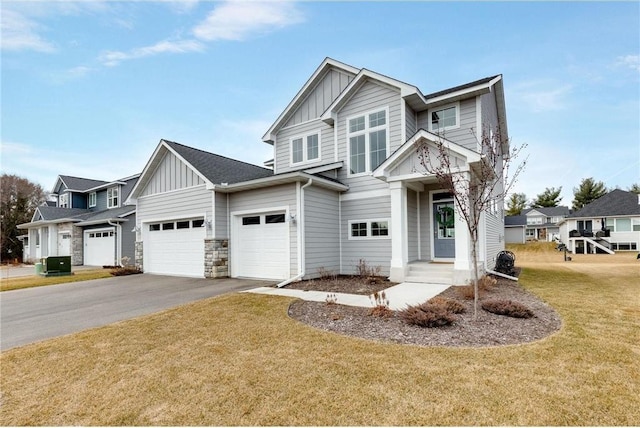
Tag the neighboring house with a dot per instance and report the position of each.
(535, 224)
(610, 223)
(346, 186)
(88, 221)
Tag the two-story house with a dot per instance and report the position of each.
(608, 224)
(347, 185)
(88, 221)
(535, 224)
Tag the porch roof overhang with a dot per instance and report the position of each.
(387, 171)
(39, 223)
(107, 220)
(285, 178)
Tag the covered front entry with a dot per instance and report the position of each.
(444, 232)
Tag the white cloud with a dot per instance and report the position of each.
(630, 61)
(113, 58)
(542, 96)
(238, 20)
(20, 33)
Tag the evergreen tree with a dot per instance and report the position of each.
(588, 191)
(549, 198)
(516, 203)
(635, 188)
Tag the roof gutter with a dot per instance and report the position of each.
(301, 239)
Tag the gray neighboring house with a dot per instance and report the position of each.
(88, 221)
(608, 224)
(346, 185)
(535, 224)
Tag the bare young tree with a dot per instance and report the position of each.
(486, 183)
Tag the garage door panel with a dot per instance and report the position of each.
(262, 250)
(99, 247)
(178, 252)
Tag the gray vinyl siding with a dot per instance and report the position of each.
(283, 149)
(412, 225)
(101, 201)
(411, 124)
(462, 135)
(322, 231)
(185, 203)
(494, 238)
(327, 90)
(171, 174)
(489, 111)
(271, 197)
(369, 98)
(221, 217)
(376, 252)
(129, 238)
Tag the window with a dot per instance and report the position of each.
(154, 227)
(535, 220)
(197, 223)
(183, 224)
(63, 201)
(247, 221)
(444, 118)
(112, 197)
(168, 226)
(274, 218)
(624, 246)
(37, 238)
(305, 148)
(368, 229)
(367, 136)
(623, 224)
(92, 199)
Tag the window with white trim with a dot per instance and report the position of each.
(63, 200)
(112, 197)
(305, 148)
(444, 118)
(369, 229)
(368, 137)
(92, 199)
(623, 224)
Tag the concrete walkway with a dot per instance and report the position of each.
(400, 296)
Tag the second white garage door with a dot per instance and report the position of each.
(99, 247)
(174, 247)
(260, 247)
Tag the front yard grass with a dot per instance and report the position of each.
(7, 284)
(239, 360)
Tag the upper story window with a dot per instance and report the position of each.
(444, 118)
(63, 200)
(112, 197)
(367, 136)
(92, 199)
(535, 220)
(305, 148)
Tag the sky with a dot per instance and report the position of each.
(88, 88)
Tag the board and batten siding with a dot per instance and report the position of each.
(412, 225)
(462, 135)
(375, 252)
(259, 200)
(369, 98)
(283, 145)
(186, 203)
(322, 231)
(171, 174)
(321, 97)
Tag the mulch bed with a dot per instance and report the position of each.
(488, 330)
(344, 284)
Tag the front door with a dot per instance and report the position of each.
(444, 242)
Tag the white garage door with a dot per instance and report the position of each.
(261, 246)
(99, 247)
(174, 247)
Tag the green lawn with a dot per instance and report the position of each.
(239, 360)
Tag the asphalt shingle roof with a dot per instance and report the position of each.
(56, 213)
(461, 87)
(219, 169)
(77, 183)
(616, 202)
(515, 220)
(550, 211)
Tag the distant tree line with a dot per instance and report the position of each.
(588, 191)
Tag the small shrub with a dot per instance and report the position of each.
(365, 271)
(427, 315)
(467, 292)
(331, 299)
(326, 274)
(486, 283)
(450, 305)
(507, 308)
(126, 270)
(380, 305)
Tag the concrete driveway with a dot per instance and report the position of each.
(33, 314)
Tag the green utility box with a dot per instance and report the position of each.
(56, 266)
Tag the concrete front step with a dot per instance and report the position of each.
(430, 273)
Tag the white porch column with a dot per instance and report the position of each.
(462, 264)
(399, 250)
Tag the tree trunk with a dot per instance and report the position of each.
(474, 257)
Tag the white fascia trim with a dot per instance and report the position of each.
(286, 178)
(106, 220)
(460, 93)
(102, 186)
(269, 136)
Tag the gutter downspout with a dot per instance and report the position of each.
(301, 239)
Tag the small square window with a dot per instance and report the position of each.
(154, 227)
(183, 224)
(197, 223)
(444, 118)
(168, 226)
(379, 228)
(274, 218)
(358, 229)
(356, 124)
